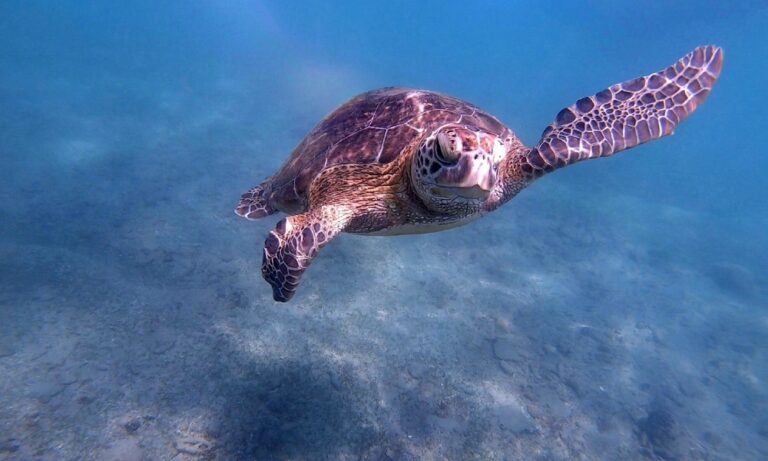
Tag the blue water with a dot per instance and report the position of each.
(616, 309)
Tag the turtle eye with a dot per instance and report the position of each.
(445, 150)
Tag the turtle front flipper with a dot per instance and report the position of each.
(294, 242)
(627, 114)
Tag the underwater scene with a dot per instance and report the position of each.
(616, 309)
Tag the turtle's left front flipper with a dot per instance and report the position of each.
(627, 114)
(294, 242)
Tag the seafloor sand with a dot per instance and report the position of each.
(572, 324)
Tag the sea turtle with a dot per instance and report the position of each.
(404, 161)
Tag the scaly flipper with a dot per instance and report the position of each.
(290, 247)
(253, 204)
(627, 114)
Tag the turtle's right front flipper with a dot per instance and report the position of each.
(627, 114)
(295, 241)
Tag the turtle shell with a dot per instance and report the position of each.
(373, 128)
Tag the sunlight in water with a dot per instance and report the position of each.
(613, 309)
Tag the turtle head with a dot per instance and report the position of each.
(456, 165)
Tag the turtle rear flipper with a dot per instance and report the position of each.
(627, 114)
(253, 204)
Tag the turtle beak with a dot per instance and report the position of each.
(471, 176)
(474, 192)
(487, 181)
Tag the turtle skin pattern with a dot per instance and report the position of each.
(291, 246)
(627, 114)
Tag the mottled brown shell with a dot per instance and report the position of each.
(373, 128)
